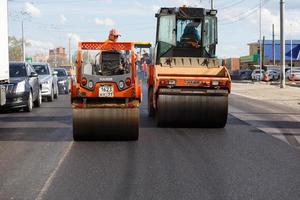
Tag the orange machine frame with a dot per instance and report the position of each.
(106, 46)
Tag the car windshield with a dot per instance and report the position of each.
(17, 70)
(41, 69)
(61, 72)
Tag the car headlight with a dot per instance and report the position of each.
(20, 87)
(62, 82)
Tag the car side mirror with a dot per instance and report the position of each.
(33, 74)
(54, 73)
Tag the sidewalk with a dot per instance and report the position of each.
(289, 96)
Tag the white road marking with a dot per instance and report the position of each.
(53, 173)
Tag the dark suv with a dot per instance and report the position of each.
(63, 81)
(23, 89)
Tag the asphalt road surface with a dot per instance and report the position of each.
(39, 160)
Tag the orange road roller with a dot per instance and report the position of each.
(186, 84)
(106, 94)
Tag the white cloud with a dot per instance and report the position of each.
(155, 8)
(74, 37)
(107, 1)
(62, 18)
(31, 9)
(36, 46)
(105, 22)
(197, 3)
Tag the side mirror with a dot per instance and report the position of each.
(54, 73)
(33, 74)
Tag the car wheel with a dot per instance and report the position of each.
(56, 94)
(29, 105)
(51, 97)
(38, 101)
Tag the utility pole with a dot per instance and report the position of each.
(70, 51)
(291, 51)
(260, 42)
(273, 45)
(282, 44)
(23, 43)
(263, 52)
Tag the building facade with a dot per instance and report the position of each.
(57, 57)
(292, 53)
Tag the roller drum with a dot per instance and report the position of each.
(192, 110)
(106, 124)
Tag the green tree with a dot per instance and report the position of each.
(15, 48)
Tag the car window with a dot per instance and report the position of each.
(61, 72)
(41, 69)
(17, 70)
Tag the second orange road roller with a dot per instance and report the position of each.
(186, 85)
(106, 93)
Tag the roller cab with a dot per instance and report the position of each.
(186, 85)
(107, 93)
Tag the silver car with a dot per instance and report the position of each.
(294, 76)
(48, 78)
(257, 75)
(272, 75)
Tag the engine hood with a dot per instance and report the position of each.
(44, 78)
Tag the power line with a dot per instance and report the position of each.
(231, 5)
(244, 15)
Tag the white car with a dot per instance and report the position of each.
(257, 74)
(272, 75)
(294, 76)
(48, 78)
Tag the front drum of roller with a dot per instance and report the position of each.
(98, 124)
(192, 111)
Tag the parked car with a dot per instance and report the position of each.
(23, 89)
(294, 76)
(245, 74)
(271, 75)
(257, 74)
(63, 81)
(48, 80)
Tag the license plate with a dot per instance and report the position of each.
(106, 91)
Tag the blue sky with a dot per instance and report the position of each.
(49, 23)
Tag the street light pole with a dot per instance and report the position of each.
(70, 51)
(282, 44)
(273, 45)
(212, 4)
(23, 43)
(260, 42)
(291, 51)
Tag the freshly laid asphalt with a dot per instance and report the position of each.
(39, 160)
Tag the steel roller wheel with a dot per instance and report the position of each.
(192, 111)
(106, 124)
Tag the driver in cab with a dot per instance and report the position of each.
(191, 34)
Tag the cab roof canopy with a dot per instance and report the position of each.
(142, 44)
(183, 12)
